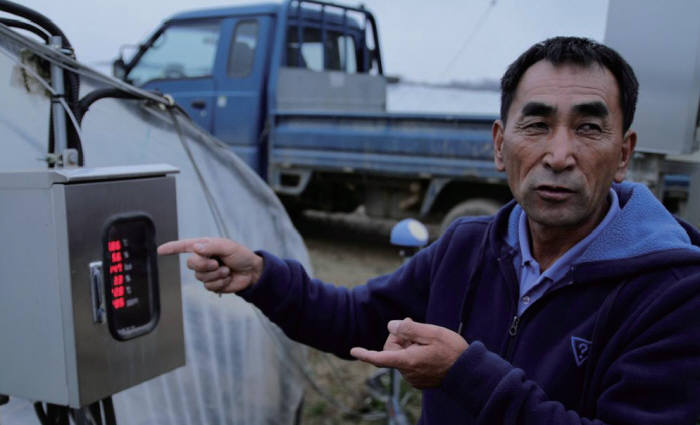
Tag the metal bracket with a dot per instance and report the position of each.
(302, 180)
(69, 158)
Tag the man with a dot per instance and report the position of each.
(579, 302)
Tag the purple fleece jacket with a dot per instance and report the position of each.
(616, 342)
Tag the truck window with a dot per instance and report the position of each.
(242, 54)
(350, 64)
(181, 51)
(340, 50)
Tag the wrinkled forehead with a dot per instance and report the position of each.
(562, 86)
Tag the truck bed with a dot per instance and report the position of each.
(383, 143)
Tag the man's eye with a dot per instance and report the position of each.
(536, 126)
(589, 128)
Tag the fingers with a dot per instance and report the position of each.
(409, 330)
(179, 247)
(201, 264)
(422, 353)
(393, 359)
(206, 247)
(219, 285)
(241, 266)
(219, 273)
(395, 343)
(215, 247)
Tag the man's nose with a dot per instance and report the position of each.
(560, 153)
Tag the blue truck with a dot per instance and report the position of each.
(298, 91)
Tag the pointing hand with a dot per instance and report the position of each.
(422, 353)
(221, 264)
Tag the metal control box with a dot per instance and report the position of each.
(87, 308)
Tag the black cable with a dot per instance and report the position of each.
(35, 17)
(71, 80)
(96, 412)
(108, 410)
(95, 95)
(71, 135)
(56, 415)
(14, 23)
(40, 414)
(72, 85)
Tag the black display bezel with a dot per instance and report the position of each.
(152, 263)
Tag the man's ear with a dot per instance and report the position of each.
(626, 151)
(497, 134)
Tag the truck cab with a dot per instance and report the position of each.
(217, 63)
(297, 91)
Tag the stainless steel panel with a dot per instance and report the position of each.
(105, 365)
(32, 346)
(46, 178)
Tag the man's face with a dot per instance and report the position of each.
(563, 144)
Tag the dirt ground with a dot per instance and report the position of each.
(347, 256)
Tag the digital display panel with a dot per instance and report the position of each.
(131, 276)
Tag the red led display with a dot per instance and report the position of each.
(130, 267)
(114, 246)
(115, 270)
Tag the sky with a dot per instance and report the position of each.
(432, 41)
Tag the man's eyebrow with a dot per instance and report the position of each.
(591, 109)
(538, 109)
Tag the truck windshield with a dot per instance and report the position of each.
(181, 51)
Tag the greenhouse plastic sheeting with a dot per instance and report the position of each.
(240, 368)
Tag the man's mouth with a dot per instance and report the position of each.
(554, 192)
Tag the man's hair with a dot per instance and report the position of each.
(576, 51)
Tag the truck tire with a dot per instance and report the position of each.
(471, 207)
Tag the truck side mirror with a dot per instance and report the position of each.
(119, 68)
(119, 64)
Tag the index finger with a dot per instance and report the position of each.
(179, 246)
(387, 358)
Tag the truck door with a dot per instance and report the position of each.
(180, 62)
(238, 111)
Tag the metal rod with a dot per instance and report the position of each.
(59, 117)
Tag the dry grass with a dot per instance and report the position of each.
(347, 263)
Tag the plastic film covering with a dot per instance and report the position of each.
(240, 368)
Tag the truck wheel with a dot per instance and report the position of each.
(472, 207)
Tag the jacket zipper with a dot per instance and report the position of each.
(513, 330)
(511, 276)
(517, 320)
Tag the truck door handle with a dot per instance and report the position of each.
(198, 104)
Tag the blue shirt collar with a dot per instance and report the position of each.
(561, 266)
